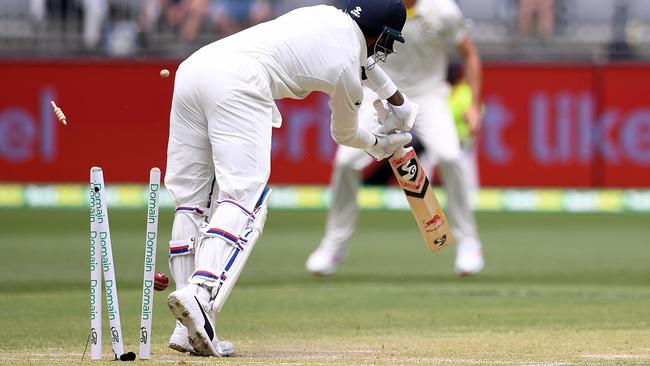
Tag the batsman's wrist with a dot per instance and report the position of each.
(404, 110)
(397, 99)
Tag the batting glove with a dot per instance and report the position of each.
(395, 118)
(386, 145)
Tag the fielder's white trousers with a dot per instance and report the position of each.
(435, 129)
(220, 128)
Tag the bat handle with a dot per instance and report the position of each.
(401, 152)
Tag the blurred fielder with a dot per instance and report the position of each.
(460, 100)
(418, 68)
(219, 147)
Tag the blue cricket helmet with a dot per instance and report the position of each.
(385, 17)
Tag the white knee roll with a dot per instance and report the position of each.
(228, 221)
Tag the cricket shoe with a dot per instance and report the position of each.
(324, 260)
(469, 258)
(191, 309)
(179, 340)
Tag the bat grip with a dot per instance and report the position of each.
(401, 152)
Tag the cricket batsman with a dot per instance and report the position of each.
(418, 68)
(219, 150)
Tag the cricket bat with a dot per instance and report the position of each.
(421, 198)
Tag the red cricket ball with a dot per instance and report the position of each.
(160, 281)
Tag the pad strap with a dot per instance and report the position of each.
(181, 247)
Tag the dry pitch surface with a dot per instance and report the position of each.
(526, 348)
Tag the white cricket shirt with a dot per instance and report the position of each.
(317, 48)
(420, 64)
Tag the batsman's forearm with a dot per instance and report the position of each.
(379, 82)
(350, 135)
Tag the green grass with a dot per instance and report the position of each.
(558, 289)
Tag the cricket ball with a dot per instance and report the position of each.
(160, 281)
(164, 73)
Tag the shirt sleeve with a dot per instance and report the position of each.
(455, 26)
(344, 103)
(379, 82)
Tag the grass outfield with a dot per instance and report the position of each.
(558, 289)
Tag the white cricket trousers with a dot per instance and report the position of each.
(220, 128)
(435, 129)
